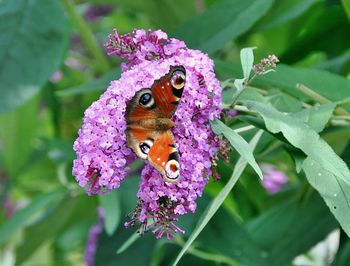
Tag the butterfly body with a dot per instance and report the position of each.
(149, 123)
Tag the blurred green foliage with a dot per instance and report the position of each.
(53, 66)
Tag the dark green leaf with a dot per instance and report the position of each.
(284, 11)
(139, 253)
(33, 37)
(331, 86)
(225, 236)
(292, 228)
(222, 22)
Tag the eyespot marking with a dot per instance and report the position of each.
(172, 170)
(144, 148)
(146, 99)
(178, 79)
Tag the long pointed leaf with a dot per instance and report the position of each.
(237, 143)
(216, 203)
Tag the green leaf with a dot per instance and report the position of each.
(238, 143)
(38, 233)
(96, 85)
(247, 61)
(223, 21)
(33, 38)
(335, 192)
(292, 228)
(248, 94)
(140, 253)
(343, 255)
(218, 200)
(111, 206)
(301, 136)
(131, 240)
(225, 236)
(284, 11)
(316, 117)
(283, 102)
(17, 133)
(331, 86)
(346, 6)
(23, 216)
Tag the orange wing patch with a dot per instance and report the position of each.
(164, 157)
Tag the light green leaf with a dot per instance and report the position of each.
(283, 102)
(223, 21)
(23, 216)
(238, 83)
(301, 136)
(316, 117)
(36, 234)
(218, 200)
(335, 192)
(111, 206)
(33, 37)
(247, 61)
(229, 95)
(238, 143)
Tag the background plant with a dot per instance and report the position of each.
(53, 66)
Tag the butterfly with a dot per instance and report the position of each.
(149, 124)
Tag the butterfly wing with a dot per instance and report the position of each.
(161, 100)
(167, 91)
(164, 156)
(159, 149)
(148, 118)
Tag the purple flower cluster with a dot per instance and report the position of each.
(102, 154)
(142, 45)
(274, 179)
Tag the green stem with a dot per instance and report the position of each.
(319, 98)
(87, 36)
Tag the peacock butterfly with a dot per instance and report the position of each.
(148, 116)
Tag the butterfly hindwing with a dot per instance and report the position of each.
(164, 156)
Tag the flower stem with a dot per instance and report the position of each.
(319, 98)
(244, 129)
(87, 36)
